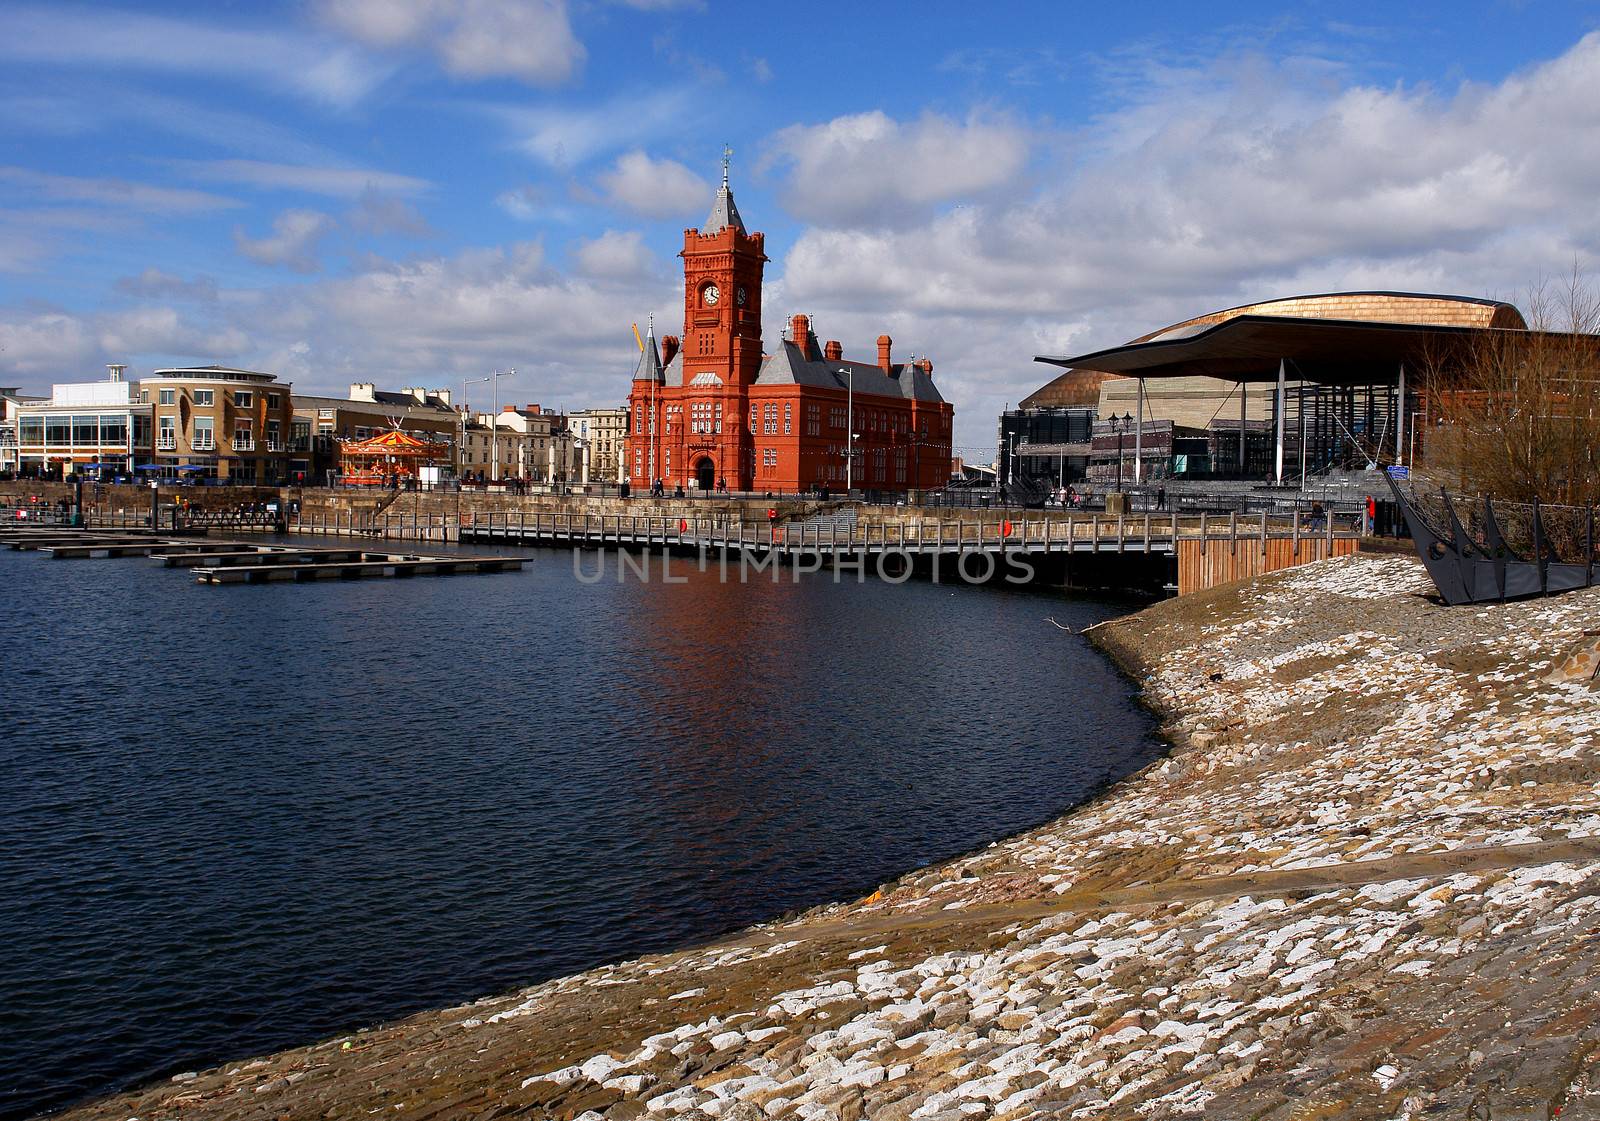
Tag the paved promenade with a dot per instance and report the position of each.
(1363, 885)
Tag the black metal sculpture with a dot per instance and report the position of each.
(1465, 571)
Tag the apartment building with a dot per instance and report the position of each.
(220, 422)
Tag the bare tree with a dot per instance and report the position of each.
(1516, 414)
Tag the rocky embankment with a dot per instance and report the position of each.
(1363, 884)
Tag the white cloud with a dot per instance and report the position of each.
(112, 192)
(565, 136)
(49, 345)
(158, 285)
(294, 241)
(868, 169)
(616, 255)
(654, 188)
(379, 213)
(526, 203)
(30, 235)
(527, 39)
(54, 345)
(335, 182)
(162, 330)
(1218, 187)
(307, 65)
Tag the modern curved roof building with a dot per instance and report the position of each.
(1322, 375)
(1258, 338)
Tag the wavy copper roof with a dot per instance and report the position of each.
(1411, 308)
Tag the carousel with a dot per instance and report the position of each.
(388, 459)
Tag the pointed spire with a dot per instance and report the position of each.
(723, 212)
(649, 368)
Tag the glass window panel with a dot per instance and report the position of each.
(32, 430)
(58, 429)
(86, 430)
(205, 397)
(113, 430)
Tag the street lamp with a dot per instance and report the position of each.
(494, 418)
(1120, 423)
(849, 429)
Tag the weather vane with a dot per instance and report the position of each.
(727, 154)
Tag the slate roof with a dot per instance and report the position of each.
(723, 213)
(792, 366)
(649, 367)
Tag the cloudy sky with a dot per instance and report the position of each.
(417, 191)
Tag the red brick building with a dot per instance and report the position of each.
(709, 408)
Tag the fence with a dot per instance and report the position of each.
(443, 528)
(1066, 533)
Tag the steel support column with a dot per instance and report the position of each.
(1278, 409)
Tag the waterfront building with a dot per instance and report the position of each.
(11, 399)
(221, 423)
(709, 408)
(1316, 380)
(534, 445)
(604, 432)
(1045, 445)
(320, 423)
(98, 426)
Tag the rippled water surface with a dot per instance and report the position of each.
(241, 818)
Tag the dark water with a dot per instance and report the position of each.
(241, 818)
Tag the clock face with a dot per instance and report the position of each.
(741, 295)
(711, 295)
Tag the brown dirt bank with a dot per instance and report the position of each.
(1362, 885)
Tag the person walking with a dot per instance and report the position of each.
(1372, 516)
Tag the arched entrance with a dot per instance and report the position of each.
(705, 473)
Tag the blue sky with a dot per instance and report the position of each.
(414, 191)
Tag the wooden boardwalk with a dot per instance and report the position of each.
(1208, 550)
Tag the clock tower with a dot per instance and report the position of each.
(722, 296)
(709, 411)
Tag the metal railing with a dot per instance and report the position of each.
(1070, 533)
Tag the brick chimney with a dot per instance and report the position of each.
(362, 391)
(669, 348)
(925, 365)
(800, 331)
(833, 352)
(884, 344)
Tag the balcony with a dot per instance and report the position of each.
(167, 443)
(274, 445)
(205, 443)
(244, 444)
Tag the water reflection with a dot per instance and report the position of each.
(299, 808)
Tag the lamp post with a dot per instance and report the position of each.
(849, 429)
(494, 417)
(1120, 423)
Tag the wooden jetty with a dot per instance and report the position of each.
(238, 562)
(367, 565)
